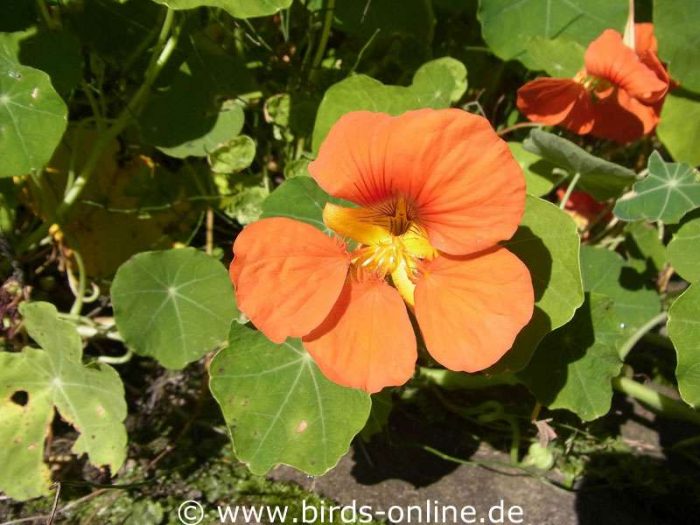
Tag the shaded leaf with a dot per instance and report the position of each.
(440, 82)
(237, 8)
(173, 305)
(679, 126)
(644, 248)
(557, 57)
(668, 192)
(574, 365)
(91, 398)
(684, 331)
(280, 408)
(600, 178)
(675, 25)
(233, 156)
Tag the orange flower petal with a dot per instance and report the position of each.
(470, 309)
(557, 101)
(644, 39)
(622, 118)
(468, 191)
(609, 58)
(367, 341)
(287, 276)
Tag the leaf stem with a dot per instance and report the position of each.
(569, 191)
(116, 360)
(640, 333)
(658, 402)
(82, 281)
(165, 46)
(329, 8)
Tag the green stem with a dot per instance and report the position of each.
(164, 49)
(640, 333)
(569, 191)
(117, 360)
(82, 281)
(458, 381)
(658, 402)
(329, 8)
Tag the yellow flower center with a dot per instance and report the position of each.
(390, 240)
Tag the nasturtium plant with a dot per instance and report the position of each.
(684, 250)
(278, 405)
(35, 383)
(684, 331)
(680, 124)
(180, 292)
(237, 8)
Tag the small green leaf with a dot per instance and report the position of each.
(604, 272)
(91, 398)
(440, 82)
(684, 331)
(382, 405)
(675, 25)
(539, 174)
(302, 199)
(548, 243)
(684, 250)
(679, 126)
(435, 85)
(173, 305)
(508, 26)
(574, 365)
(33, 116)
(280, 408)
(557, 57)
(237, 8)
(233, 156)
(600, 178)
(668, 192)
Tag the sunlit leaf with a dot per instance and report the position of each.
(507, 25)
(233, 156)
(173, 305)
(557, 57)
(684, 331)
(539, 174)
(667, 193)
(679, 126)
(574, 365)
(91, 398)
(675, 25)
(435, 85)
(280, 408)
(684, 250)
(237, 8)
(548, 243)
(32, 115)
(600, 178)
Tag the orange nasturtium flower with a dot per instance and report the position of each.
(617, 95)
(436, 191)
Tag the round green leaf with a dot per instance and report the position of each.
(32, 115)
(237, 8)
(507, 26)
(675, 25)
(233, 156)
(679, 126)
(684, 331)
(604, 272)
(574, 365)
(539, 174)
(435, 85)
(684, 250)
(557, 57)
(280, 408)
(668, 192)
(600, 178)
(90, 398)
(548, 243)
(173, 305)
